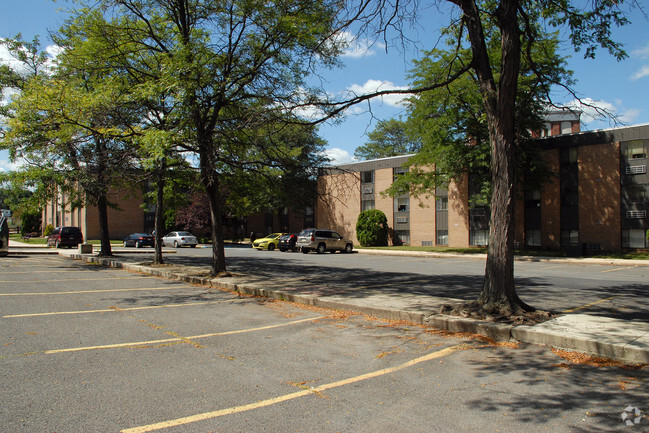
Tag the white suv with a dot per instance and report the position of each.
(321, 240)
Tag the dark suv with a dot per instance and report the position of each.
(321, 240)
(65, 237)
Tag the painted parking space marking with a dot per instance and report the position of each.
(619, 269)
(294, 395)
(49, 280)
(176, 339)
(583, 307)
(76, 292)
(115, 309)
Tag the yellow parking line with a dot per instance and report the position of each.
(88, 291)
(572, 310)
(619, 269)
(294, 395)
(49, 280)
(110, 310)
(170, 340)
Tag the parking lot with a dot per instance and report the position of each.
(92, 349)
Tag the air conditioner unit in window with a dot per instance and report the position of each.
(636, 169)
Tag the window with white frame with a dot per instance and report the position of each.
(442, 237)
(479, 238)
(635, 149)
(533, 238)
(367, 205)
(634, 238)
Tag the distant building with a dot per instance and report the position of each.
(598, 200)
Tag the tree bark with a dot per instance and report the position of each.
(498, 291)
(159, 215)
(102, 211)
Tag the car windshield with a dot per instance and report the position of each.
(274, 236)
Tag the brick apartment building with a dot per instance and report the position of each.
(130, 217)
(598, 199)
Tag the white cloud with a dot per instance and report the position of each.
(6, 58)
(371, 86)
(643, 72)
(6, 166)
(356, 47)
(642, 53)
(590, 114)
(339, 156)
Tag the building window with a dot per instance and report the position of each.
(367, 176)
(442, 237)
(568, 155)
(479, 238)
(566, 127)
(634, 238)
(569, 238)
(367, 205)
(398, 171)
(309, 220)
(635, 149)
(441, 203)
(402, 237)
(403, 204)
(533, 238)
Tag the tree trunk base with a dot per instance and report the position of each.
(498, 312)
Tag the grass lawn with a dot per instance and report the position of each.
(635, 255)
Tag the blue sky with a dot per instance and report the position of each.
(622, 87)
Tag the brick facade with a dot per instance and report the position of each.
(599, 214)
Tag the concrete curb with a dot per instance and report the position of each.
(635, 350)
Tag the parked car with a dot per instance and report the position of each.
(287, 242)
(69, 237)
(268, 243)
(139, 240)
(179, 239)
(321, 240)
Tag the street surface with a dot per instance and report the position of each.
(92, 349)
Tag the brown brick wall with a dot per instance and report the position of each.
(339, 203)
(599, 195)
(129, 218)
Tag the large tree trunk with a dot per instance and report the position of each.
(216, 224)
(159, 207)
(210, 179)
(102, 211)
(499, 292)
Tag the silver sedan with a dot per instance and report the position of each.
(180, 239)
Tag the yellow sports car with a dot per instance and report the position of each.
(268, 243)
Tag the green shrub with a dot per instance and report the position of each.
(372, 228)
(30, 222)
(48, 230)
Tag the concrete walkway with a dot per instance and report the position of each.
(623, 340)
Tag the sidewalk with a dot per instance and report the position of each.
(624, 340)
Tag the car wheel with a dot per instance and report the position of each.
(305, 251)
(193, 246)
(322, 248)
(349, 248)
(271, 247)
(175, 244)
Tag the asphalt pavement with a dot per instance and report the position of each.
(625, 340)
